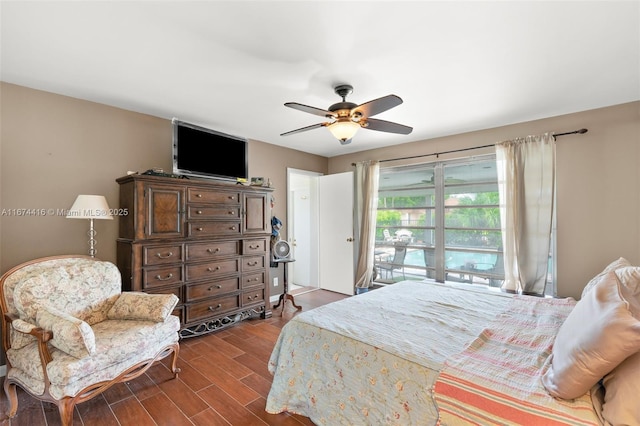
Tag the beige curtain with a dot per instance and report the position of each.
(366, 203)
(526, 181)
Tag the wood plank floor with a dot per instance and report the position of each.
(224, 381)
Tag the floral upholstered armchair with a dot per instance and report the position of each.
(69, 333)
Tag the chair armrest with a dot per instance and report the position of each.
(133, 305)
(25, 327)
(41, 335)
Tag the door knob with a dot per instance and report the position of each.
(350, 239)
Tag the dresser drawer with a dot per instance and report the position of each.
(253, 297)
(212, 269)
(161, 276)
(169, 290)
(211, 289)
(161, 255)
(254, 246)
(207, 229)
(209, 308)
(253, 263)
(251, 280)
(213, 212)
(210, 250)
(197, 195)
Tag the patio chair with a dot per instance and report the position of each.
(387, 236)
(495, 271)
(397, 263)
(498, 272)
(429, 261)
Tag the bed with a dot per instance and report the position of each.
(425, 353)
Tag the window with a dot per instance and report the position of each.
(445, 216)
(441, 220)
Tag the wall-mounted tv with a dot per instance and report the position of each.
(201, 152)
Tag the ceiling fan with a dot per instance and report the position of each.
(348, 117)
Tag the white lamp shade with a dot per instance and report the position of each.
(90, 207)
(344, 130)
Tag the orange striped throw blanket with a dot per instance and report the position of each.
(496, 378)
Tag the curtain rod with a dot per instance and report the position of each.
(580, 131)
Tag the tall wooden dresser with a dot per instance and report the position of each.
(204, 241)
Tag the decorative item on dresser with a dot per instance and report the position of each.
(207, 242)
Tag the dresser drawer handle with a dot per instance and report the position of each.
(199, 229)
(168, 277)
(218, 306)
(232, 213)
(254, 247)
(210, 269)
(217, 249)
(211, 288)
(253, 279)
(231, 197)
(250, 298)
(168, 255)
(252, 263)
(199, 212)
(199, 195)
(233, 228)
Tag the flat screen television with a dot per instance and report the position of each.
(206, 153)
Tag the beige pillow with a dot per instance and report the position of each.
(619, 263)
(630, 278)
(600, 332)
(622, 392)
(70, 334)
(132, 305)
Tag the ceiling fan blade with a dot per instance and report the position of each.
(376, 106)
(310, 109)
(304, 129)
(387, 126)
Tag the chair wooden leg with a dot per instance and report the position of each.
(65, 407)
(174, 361)
(12, 395)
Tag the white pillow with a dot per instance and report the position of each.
(600, 332)
(630, 278)
(622, 390)
(616, 264)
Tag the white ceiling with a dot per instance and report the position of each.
(230, 66)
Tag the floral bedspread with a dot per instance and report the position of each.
(372, 359)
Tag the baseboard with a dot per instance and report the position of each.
(3, 370)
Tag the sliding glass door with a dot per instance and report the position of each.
(442, 220)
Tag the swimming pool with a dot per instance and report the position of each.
(455, 259)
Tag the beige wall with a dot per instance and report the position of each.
(598, 183)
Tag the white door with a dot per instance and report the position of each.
(301, 231)
(335, 218)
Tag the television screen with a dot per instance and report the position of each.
(201, 152)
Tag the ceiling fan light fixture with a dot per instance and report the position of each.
(344, 130)
(346, 117)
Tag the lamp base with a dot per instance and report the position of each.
(92, 239)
